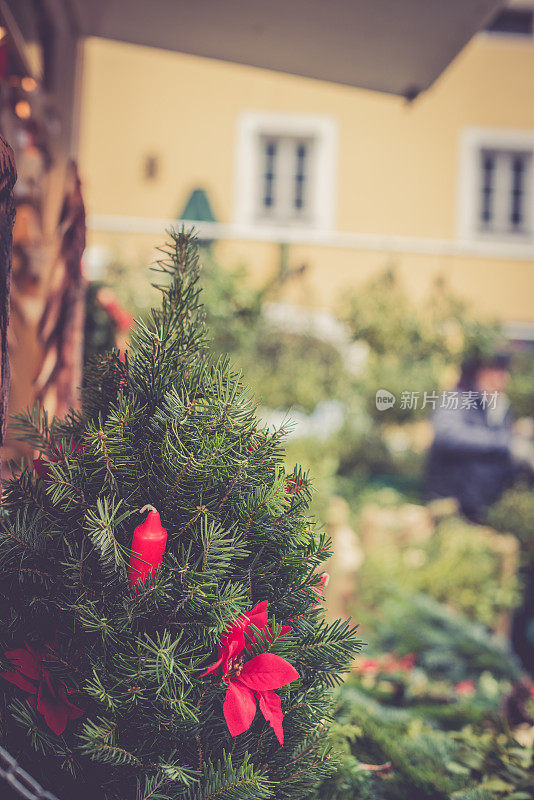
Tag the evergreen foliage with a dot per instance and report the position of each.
(392, 753)
(168, 425)
(451, 721)
(448, 644)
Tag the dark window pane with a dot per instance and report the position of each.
(269, 174)
(300, 175)
(488, 172)
(513, 20)
(518, 191)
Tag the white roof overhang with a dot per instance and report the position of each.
(396, 46)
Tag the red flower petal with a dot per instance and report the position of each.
(42, 467)
(268, 635)
(234, 648)
(27, 661)
(53, 704)
(268, 671)
(215, 666)
(239, 708)
(54, 712)
(283, 630)
(234, 642)
(231, 646)
(63, 694)
(19, 680)
(257, 616)
(271, 708)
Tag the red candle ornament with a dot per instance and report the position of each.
(148, 546)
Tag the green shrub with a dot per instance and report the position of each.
(514, 513)
(442, 567)
(520, 390)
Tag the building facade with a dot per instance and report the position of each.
(298, 172)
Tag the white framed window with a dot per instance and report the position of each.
(286, 170)
(496, 186)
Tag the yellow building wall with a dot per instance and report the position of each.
(397, 162)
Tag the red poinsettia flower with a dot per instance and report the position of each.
(465, 688)
(256, 679)
(42, 465)
(407, 662)
(387, 663)
(48, 694)
(234, 642)
(368, 665)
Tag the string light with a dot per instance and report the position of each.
(23, 109)
(28, 84)
(3, 33)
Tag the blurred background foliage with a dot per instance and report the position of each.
(442, 567)
(438, 707)
(515, 513)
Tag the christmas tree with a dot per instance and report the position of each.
(161, 630)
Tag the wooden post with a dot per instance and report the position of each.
(62, 322)
(8, 176)
(47, 288)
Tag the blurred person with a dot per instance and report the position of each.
(472, 456)
(475, 456)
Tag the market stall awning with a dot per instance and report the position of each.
(398, 46)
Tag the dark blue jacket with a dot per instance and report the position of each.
(469, 458)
